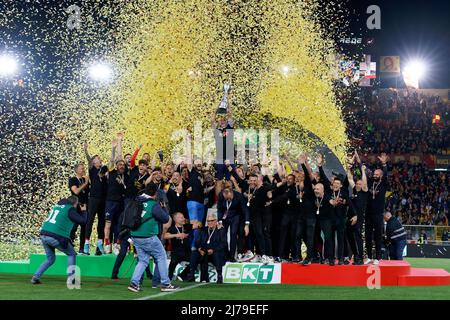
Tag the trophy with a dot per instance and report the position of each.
(223, 106)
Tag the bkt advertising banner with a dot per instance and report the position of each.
(252, 273)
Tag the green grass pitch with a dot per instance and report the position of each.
(14, 287)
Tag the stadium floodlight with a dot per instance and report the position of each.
(100, 72)
(285, 69)
(413, 72)
(8, 65)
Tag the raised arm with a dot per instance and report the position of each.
(112, 160)
(88, 157)
(350, 178)
(119, 152)
(323, 177)
(365, 187)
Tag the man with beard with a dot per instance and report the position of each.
(96, 202)
(290, 215)
(378, 185)
(176, 194)
(359, 203)
(117, 180)
(307, 221)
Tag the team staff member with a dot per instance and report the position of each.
(79, 187)
(211, 244)
(378, 185)
(395, 237)
(96, 202)
(358, 202)
(117, 180)
(195, 197)
(181, 248)
(55, 234)
(307, 221)
(231, 208)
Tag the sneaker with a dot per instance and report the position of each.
(270, 259)
(256, 259)
(346, 261)
(239, 257)
(86, 249)
(107, 249)
(376, 262)
(248, 256)
(331, 262)
(156, 286)
(368, 261)
(35, 280)
(264, 259)
(116, 249)
(306, 262)
(134, 288)
(277, 260)
(169, 288)
(98, 252)
(324, 261)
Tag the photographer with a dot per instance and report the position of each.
(211, 244)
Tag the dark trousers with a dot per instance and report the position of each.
(267, 230)
(318, 241)
(217, 258)
(96, 206)
(396, 249)
(374, 231)
(260, 227)
(305, 230)
(327, 225)
(354, 238)
(339, 230)
(288, 226)
(175, 258)
(236, 234)
(82, 232)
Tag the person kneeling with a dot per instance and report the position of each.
(211, 244)
(395, 237)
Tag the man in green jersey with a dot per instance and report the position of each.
(55, 234)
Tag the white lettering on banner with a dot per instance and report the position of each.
(233, 273)
(265, 273)
(249, 273)
(374, 280)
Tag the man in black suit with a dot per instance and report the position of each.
(211, 247)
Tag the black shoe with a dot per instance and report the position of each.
(295, 260)
(324, 261)
(277, 259)
(190, 278)
(331, 262)
(219, 280)
(98, 252)
(346, 261)
(114, 277)
(134, 288)
(306, 262)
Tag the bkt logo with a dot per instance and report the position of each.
(248, 273)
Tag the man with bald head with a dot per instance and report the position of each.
(378, 185)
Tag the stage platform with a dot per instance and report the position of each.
(389, 273)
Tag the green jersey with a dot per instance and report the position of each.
(58, 221)
(150, 227)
